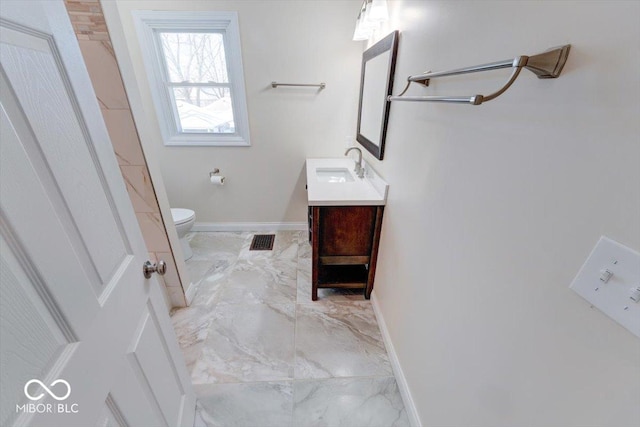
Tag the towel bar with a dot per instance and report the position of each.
(546, 65)
(319, 85)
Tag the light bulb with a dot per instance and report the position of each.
(362, 32)
(366, 20)
(378, 11)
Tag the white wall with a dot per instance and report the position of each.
(493, 209)
(285, 41)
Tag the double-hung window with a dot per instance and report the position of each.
(194, 66)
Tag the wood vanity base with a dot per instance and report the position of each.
(345, 242)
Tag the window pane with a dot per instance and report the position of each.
(195, 57)
(204, 109)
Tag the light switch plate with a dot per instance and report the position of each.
(613, 295)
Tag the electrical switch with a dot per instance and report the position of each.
(605, 275)
(619, 267)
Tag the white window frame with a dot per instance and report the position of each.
(148, 24)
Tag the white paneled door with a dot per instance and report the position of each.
(85, 339)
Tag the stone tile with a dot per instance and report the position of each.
(304, 247)
(258, 359)
(208, 288)
(338, 339)
(361, 402)
(191, 325)
(303, 281)
(81, 6)
(198, 270)
(303, 235)
(124, 136)
(104, 72)
(265, 404)
(176, 296)
(249, 280)
(140, 188)
(221, 265)
(248, 343)
(153, 232)
(222, 245)
(266, 281)
(97, 36)
(79, 18)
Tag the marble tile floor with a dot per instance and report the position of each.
(261, 353)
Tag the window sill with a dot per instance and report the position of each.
(230, 141)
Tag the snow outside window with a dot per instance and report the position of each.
(195, 70)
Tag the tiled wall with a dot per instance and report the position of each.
(91, 30)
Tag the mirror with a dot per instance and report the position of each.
(376, 83)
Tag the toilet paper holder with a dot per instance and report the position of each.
(215, 178)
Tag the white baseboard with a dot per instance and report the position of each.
(409, 405)
(250, 226)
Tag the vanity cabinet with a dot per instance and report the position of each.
(344, 240)
(345, 218)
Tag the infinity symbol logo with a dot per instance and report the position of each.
(52, 394)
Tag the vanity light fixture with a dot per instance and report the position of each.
(371, 15)
(379, 11)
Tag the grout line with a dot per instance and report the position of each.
(298, 380)
(295, 320)
(295, 334)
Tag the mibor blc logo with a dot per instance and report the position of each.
(52, 394)
(50, 408)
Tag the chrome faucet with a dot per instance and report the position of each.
(359, 170)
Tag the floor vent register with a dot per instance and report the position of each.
(262, 242)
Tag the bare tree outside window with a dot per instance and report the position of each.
(198, 81)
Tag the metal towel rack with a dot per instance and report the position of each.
(319, 85)
(546, 65)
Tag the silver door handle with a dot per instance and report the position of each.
(148, 269)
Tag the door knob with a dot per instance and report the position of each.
(148, 269)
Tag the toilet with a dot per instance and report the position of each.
(184, 220)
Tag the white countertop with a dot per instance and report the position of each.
(368, 191)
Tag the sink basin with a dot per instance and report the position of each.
(334, 175)
(332, 182)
